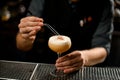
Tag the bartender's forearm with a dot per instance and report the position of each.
(23, 44)
(95, 56)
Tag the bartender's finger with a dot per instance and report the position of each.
(76, 64)
(70, 70)
(29, 29)
(30, 35)
(25, 36)
(70, 62)
(68, 57)
(31, 18)
(33, 33)
(30, 24)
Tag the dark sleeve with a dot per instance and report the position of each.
(103, 34)
(36, 8)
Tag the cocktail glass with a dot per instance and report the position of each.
(59, 44)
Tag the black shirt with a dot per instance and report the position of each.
(67, 19)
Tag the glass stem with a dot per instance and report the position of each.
(59, 55)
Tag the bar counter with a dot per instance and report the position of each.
(16, 70)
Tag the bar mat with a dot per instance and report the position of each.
(99, 73)
(16, 70)
(87, 73)
(33, 71)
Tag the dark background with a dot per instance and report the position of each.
(11, 11)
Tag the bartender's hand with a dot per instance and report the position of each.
(29, 26)
(71, 62)
(77, 59)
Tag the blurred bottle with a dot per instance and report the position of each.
(12, 10)
(5, 16)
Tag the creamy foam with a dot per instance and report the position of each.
(59, 43)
